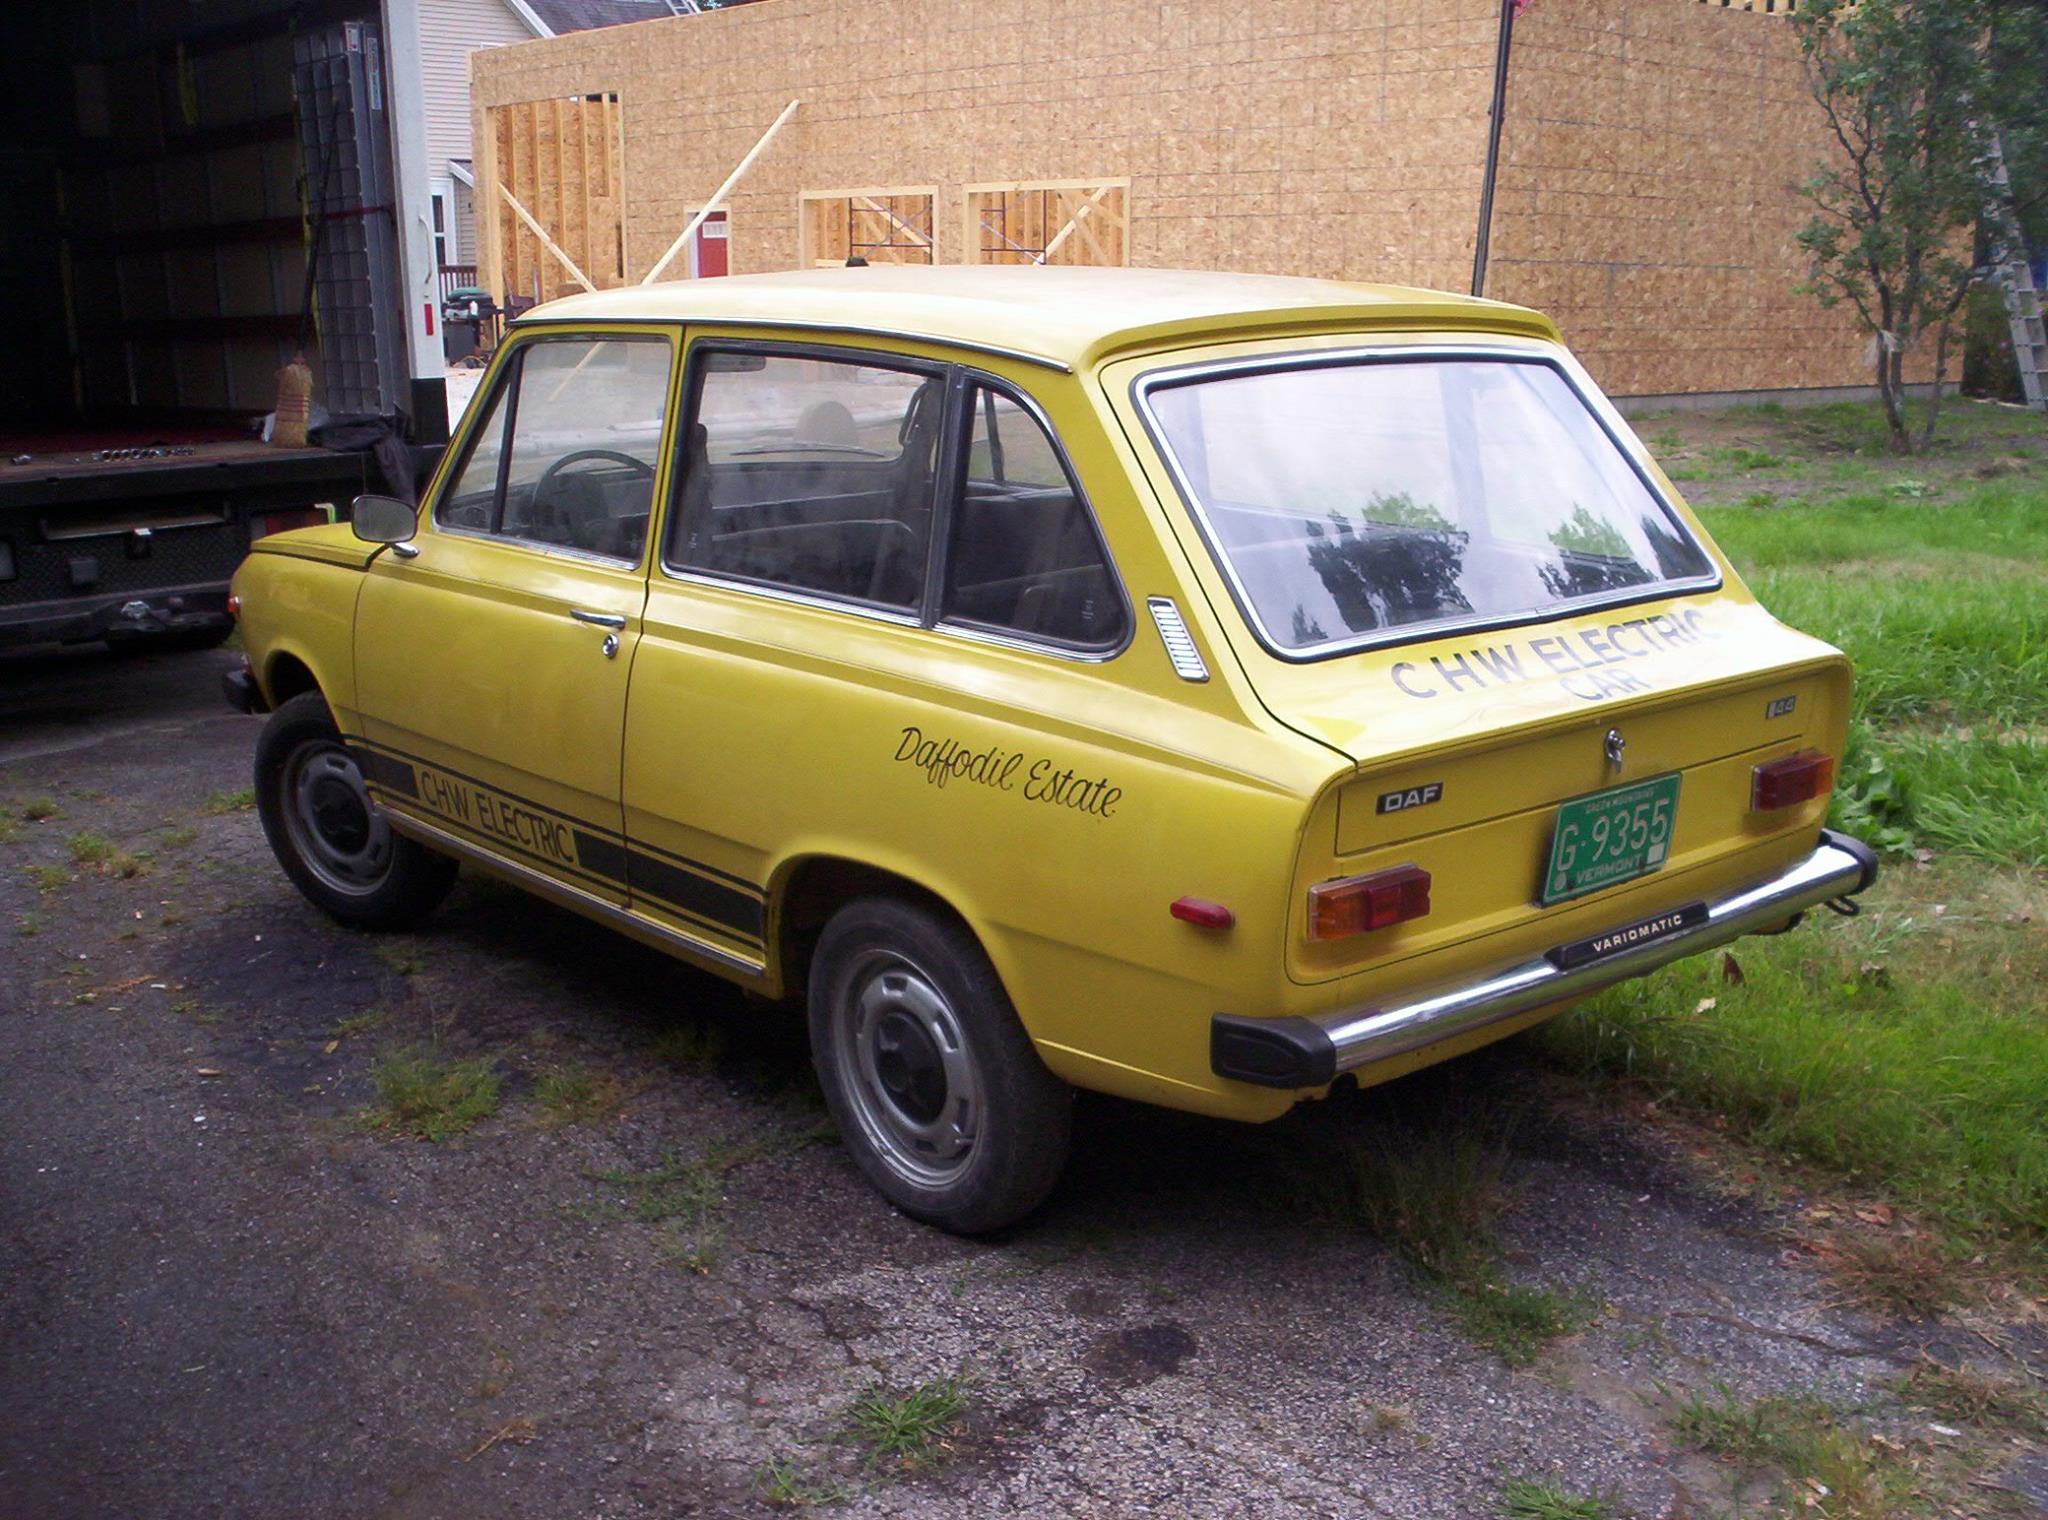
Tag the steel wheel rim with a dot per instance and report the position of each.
(336, 830)
(905, 1067)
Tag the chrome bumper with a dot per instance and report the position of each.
(1310, 1052)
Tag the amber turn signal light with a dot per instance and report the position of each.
(1791, 781)
(1360, 904)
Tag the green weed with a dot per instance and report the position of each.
(9, 830)
(90, 849)
(229, 802)
(694, 1045)
(1525, 1499)
(361, 1023)
(574, 1094)
(39, 809)
(781, 1481)
(912, 1427)
(1434, 1196)
(428, 1098)
(49, 879)
(1811, 1447)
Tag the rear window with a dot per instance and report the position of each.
(1361, 501)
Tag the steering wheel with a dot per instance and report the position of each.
(572, 510)
(614, 456)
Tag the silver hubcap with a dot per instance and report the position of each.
(336, 829)
(906, 1070)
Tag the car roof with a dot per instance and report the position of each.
(1064, 316)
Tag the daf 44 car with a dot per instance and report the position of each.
(1195, 687)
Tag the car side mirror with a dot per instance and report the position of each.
(383, 519)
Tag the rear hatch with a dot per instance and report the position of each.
(1470, 782)
(1447, 559)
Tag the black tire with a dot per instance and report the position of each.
(914, 1041)
(330, 838)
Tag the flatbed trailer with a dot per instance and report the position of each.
(131, 538)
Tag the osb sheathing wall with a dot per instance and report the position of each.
(1332, 137)
(1647, 200)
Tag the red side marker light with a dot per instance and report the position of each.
(234, 605)
(1790, 781)
(1202, 914)
(1360, 904)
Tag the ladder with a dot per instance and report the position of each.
(2022, 295)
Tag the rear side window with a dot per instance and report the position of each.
(1024, 556)
(812, 474)
(584, 417)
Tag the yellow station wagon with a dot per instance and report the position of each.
(1199, 688)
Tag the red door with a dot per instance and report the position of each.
(708, 248)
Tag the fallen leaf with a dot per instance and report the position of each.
(1877, 1213)
(1706, 1005)
(330, 1047)
(207, 1071)
(1731, 970)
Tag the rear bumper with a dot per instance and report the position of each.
(1310, 1052)
(117, 615)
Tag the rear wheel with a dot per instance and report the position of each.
(933, 1082)
(331, 839)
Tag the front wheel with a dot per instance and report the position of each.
(331, 839)
(929, 1075)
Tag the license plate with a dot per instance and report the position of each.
(1610, 837)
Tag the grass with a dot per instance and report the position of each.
(9, 830)
(89, 849)
(1525, 1499)
(431, 1098)
(1951, 687)
(1903, 1053)
(1900, 1056)
(361, 1023)
(38, 809)
(781, 1481)
(1965, 1396)
(229, 802)
(911, 1427)
(1433, 1194)
(686, 1198)
(693, 1045)
(572, 1093)
(49, 878)
(1826, 1466)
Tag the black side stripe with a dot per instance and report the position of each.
(649, 876)
(689, 888)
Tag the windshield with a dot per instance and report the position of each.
(1354, 501)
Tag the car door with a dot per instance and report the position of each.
(493, 651)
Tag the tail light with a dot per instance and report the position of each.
(1791, 781)
(279, 522)
(234, 605)
(1360, 904)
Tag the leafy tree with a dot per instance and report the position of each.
(1912, 95)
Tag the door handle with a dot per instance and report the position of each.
(598, 619)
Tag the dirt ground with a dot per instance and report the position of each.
(225, 1295)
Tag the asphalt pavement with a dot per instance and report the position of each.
(223, 1293)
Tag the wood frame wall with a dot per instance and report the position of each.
(563, 160)
(1066, 221)
(831, 224)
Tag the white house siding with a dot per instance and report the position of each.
(450, 30)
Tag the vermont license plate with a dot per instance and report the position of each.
(1610, 837)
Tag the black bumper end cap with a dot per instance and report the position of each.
(1866, 857)
(240, 688)
(1285, 1053)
